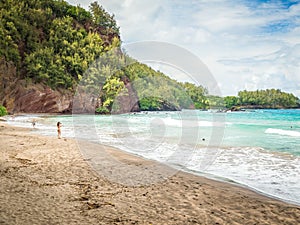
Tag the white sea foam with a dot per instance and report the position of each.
(191, 123)
(23, 120)
(275, 174)
(283, 132)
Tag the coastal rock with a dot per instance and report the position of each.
(19, 95)
(36, 98)
(41, 99)
(127, 101)
(85, 102)
(167, 106)
(245, 107)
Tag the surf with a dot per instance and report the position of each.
(291, 133)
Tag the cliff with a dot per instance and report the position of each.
(39, 49)
(19, 95)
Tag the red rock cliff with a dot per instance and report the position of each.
(19, 95)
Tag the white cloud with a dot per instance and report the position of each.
(244, 44)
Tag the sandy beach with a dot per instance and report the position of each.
(45, 180)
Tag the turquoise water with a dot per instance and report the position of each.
(259, 149)
(274, 130)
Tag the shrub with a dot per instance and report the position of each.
(102, 110)
(3, 111)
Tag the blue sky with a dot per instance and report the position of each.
(245, 44)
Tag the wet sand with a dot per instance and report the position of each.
(45, 180)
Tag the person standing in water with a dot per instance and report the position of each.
(59, 124)
(33, 123)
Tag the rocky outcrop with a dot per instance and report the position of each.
(249, 107)
(167, 106)
(36, 99)
(19, 95)
(127, 101)
(87, 100)
(41, 99)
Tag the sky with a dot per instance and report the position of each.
(245, 44)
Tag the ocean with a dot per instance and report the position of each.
(258, 149)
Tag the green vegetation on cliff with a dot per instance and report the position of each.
(57, 44)
(53, 42)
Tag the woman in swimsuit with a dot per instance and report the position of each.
(59, 124)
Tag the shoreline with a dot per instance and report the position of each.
(180, 168)
(47, 180)
(240, 185)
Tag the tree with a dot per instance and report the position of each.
(269, 98)
(230, 101)
(102, 19)
(197, 94)
(111, 90)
